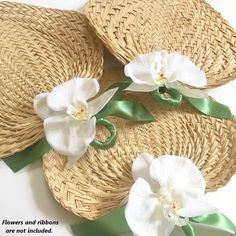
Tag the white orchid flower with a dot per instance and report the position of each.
(173, 70)
(69, 115)
(167, 191)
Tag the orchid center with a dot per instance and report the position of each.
(78, 112)
(160, 79)
(168, 202)
(170, 206)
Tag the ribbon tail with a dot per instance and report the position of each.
(188, 230)
(127, 110)
(21, 159)
(217, 220)
(113, 224)
(210, 107)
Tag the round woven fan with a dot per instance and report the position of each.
(40, 48)
(193, 28)
(101, 179)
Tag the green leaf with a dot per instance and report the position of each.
(211, 108)
(21, 159)
(217, 220)
(127, 110)
(188, 230)
(113, 224)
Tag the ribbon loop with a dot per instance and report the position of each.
(110, 140)
(167, 96)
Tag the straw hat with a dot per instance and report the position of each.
(101, 179)
(40, 48)
(193, 28)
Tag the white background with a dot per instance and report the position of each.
(25, 195)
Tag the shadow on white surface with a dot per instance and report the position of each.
(26, 196)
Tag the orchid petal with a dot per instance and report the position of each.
(41, 107)
(196, 207)
(68, 136)
(180, 68)
(78, 89)
(98, 103)
(141, 87)
(141, 165)
(178, 173)
(141, 70)
(143, 214)
(193, 93)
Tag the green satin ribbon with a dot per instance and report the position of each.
(110, 140)
(174, 98)
(21, 159)
(210, 107)
(216, 220)
(114, 224)
(122, 85)
(188, 230)
(204, 105)
(126, 109)
(167, 96)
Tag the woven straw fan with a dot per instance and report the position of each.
(40, 48)
(101, 179)
(193, 28)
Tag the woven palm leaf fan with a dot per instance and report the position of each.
(192, 28)
(44, 48)
(40, 48)
(101, 179)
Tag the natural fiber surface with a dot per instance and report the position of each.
(101, 179)
(193, 28)
(39, 49)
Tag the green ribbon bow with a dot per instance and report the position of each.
(207, 106)
(172, 97)
(167, 96)
(114, 224)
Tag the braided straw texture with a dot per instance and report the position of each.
(40, 48)
(193, 28)
(101, 179)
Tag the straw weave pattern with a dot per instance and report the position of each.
(101, 179)
(193, 28)
(40, 48)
